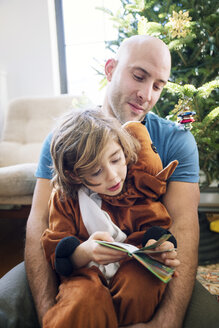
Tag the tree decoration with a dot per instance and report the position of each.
(179, 24)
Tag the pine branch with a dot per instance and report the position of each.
(182, 58)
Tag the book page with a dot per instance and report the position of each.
(133, 249)
(119, 246)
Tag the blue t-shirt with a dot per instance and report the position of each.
(170, 140)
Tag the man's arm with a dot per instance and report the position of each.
(181, 201)
(42, 279)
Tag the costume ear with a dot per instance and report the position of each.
(167, 171)
(109, 68)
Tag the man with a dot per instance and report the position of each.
(135, 81)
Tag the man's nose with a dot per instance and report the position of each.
(144, 94)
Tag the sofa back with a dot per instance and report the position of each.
(27, 123)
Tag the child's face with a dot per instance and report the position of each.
(109, 175)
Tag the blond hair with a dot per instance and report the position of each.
(77, 145)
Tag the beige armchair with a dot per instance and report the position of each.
(27, 123)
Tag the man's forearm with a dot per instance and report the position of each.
(41, 278)
(181, 201)
(172, 309)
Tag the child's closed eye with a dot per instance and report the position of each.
(96, 173)
(116, 160)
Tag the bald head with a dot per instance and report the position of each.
(140, 40)
(148, 47)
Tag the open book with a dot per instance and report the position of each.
(160, 270)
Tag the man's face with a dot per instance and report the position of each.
(136, 83)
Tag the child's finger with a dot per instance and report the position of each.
(172, 263)
(166, 246)
(169, 255)
(150, 242)
(101, 235)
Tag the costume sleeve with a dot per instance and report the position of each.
(44, 169)
(63, 222)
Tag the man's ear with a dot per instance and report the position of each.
(109, 68)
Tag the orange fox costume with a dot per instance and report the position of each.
(85, 299)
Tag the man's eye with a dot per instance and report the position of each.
(157, 87)
(137, 77)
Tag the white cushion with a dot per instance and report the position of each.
(17, 179)
(12, 153)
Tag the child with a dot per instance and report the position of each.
(107, 180)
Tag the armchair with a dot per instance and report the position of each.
(27, 123)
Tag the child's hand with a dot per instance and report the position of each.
(90, 250)
(101, 254)
(168, 255)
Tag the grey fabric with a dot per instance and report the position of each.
(16, 303)
(17, 307)
(203, 309)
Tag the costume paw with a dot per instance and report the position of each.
(63, 250)
(155, 233)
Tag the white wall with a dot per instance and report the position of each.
(28, 49)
